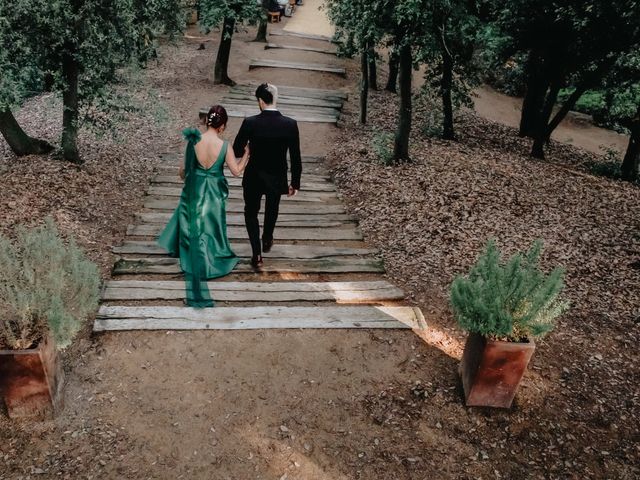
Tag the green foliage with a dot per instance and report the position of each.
(20, 59)
(45, 285)
(213, 12)
(455, 30)
(591, 102)
(431, 117)
(103, 37)
(382, 145)
(512, 300)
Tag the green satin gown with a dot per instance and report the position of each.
(197, 231)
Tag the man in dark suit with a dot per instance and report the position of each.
(270, 135)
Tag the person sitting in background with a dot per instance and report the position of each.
(275, 6)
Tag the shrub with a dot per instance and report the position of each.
(382, 145)
(510, 301)
(45, 286)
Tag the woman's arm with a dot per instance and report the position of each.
(237, 165)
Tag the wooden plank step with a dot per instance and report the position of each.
(236, 182)
(170, 266)
(270, 46)
(163, 218)
(298, 117)
(169, 174)
(282, 232)
(315, 67)
(303, 105)
(179, 156)
(310, 36)
(285, 219)
(345, 292)
(238, 221)
(236, 193)
(284, 100)
(293, 91)
(112, 318)
(250, 108)
(284, 251)
(237, 206)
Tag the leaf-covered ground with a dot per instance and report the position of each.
(580, 401)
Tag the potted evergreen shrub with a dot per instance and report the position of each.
(504, 306)
(47, 289)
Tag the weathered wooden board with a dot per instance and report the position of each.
(284, 100)
(112, 318)
(243, 249)
(270, 46)
(170, 266)
(170, 180)
(315, 67)
(179, 156)
(294, 91)
(310, 36)
(282, 232)
(238, 111)
(236, 193)
(286, 109)
(346, 292)
(233, 219)
(237, 206)
(169, 174)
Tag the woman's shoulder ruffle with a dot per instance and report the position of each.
(192, 134)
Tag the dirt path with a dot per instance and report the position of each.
(310, 19)
(573, 130)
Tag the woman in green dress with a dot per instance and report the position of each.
(197, 231)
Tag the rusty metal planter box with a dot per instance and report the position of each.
(31, 381)
(491, 370)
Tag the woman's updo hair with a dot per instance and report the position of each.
(216, 117)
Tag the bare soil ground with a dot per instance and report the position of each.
(343, 405)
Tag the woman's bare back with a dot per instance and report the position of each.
(208, 149)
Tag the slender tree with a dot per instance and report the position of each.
(360, 28)
(373, 70)
(447, 49)
(213, 13)
(392, 80)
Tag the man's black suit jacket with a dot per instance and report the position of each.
(270, 135)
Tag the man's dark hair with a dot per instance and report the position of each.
(263, 93)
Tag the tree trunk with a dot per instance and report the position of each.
(393, 72)
(373, 71)
(586, 83)
(447, 85)
(401, 144)
(566, 106)
(220, 75)
(20, 143)
(631, 163)
(540, 137)
(70, 101)
(364, 85)
(261, 35)
(537, 86)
